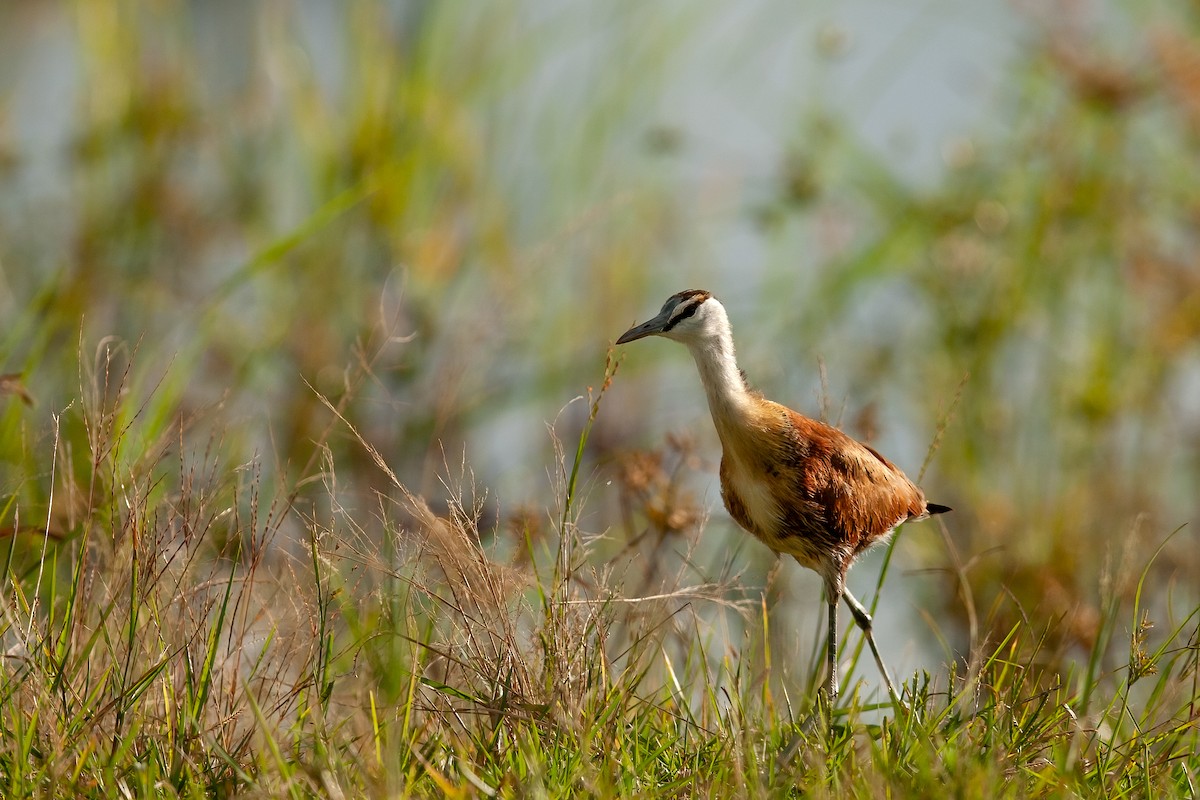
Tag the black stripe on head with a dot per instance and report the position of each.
(684, 305)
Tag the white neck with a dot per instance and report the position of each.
(713, 351)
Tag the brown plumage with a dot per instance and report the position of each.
(802, 487)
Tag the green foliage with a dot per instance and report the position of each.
(426, 666)
(250, 330)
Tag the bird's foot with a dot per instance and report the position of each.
(817, 725)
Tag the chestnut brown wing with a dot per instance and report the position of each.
(860, 495)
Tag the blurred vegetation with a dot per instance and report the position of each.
(253, 250)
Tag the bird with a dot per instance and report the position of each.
(801, 487)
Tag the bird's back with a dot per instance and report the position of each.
(807, 489)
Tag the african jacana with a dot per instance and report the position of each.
(802, 487)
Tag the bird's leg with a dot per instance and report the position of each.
(821, 717)
(822, 713)
(831, 685)
(864, 621)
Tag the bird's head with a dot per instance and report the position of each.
(689, 317)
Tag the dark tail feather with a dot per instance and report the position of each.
(934, 508)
